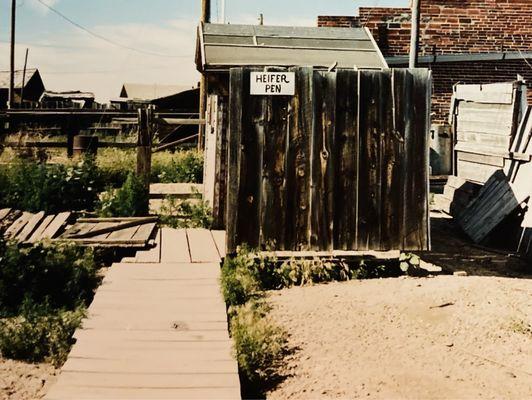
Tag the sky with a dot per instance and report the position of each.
(156, 38)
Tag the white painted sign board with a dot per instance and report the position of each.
(273, 83)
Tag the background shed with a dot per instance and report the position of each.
(32, 83)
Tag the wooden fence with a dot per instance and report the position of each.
(341, 165)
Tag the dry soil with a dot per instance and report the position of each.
(433, 338)
(22, 381)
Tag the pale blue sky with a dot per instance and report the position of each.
(71, 59)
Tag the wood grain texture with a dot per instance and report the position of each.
(346, 155)
(274, 159)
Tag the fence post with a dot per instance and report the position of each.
(144, 143)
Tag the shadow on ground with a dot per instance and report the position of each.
(453, 251)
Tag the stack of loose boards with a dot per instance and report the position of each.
(29, 228)
(507, 190)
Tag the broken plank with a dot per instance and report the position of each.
(31, 226)
(119, 219)
(17, 226)
(153, 255)
(119, 226)
(202, 246)
(37, 234)
(145, 231)
(4, 213)
(56, 225)
(106, 242)
(125, 234)
(174, 246)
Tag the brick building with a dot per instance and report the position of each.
(466, 41)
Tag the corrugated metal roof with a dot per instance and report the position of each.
(72, 95)
(140, 91)
(4, 77)
(225, 46)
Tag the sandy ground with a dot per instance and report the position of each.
(447, 337)
(22, 381)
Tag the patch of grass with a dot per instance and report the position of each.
(186, 214)
(181, 166)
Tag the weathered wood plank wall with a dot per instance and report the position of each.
(341, 165)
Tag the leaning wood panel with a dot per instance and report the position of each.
(346, 160)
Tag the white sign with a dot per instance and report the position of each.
(273, 83)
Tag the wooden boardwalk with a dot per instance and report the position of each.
(157, 328)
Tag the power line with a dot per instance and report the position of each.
(103, 38)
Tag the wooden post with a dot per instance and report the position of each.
(414, 34)
(11, 102)
(144, 145)
(205, 18)
(72, 129)
(24, 79)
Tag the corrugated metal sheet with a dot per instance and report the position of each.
(225, 46)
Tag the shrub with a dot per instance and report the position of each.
(62, 276)
(259, 345)
(239, 280)
(38, 337)
(131, 200)
(34, 186)
(115, 165)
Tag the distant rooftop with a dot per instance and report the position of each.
(222, 46)
(4, 77)
(140, 91)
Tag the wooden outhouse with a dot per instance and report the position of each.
(312, 143)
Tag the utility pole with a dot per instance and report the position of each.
(414, 35)
(11, 102)
(205, 18)
(24, 79)
(223, 12)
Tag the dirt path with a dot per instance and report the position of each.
(436, 338)
(22, 381)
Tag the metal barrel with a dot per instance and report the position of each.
(85, 144)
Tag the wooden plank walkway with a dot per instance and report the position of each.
(156, 329)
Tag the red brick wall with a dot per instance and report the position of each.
(338, 21)
(455, 26)
(446, 75)
(451, 27)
